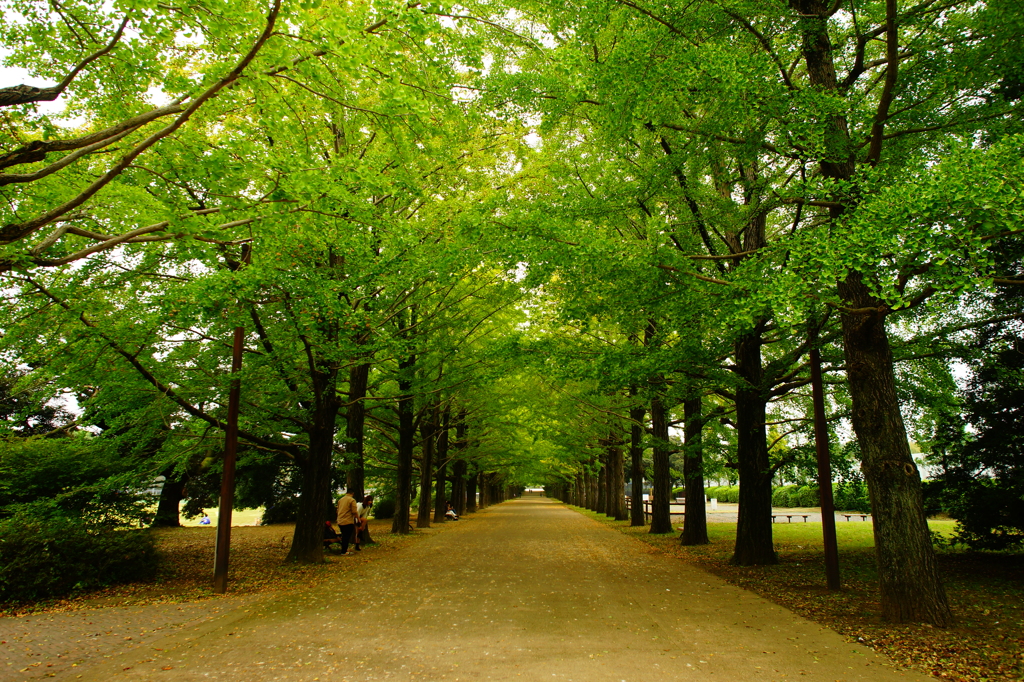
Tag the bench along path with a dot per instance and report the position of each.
(526, 590)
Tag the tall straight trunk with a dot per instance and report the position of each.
(459, 486)
(602, 487)
(171, 494)
(354, 429)
(908, 575)
(754, 527)
(636, 464)
(695, 524)
(661, 519)
(616, 479)
(440, 500)
(315, 502)
(406, 442)
(471, 491)
(427, 433)
(315, 491)
(483, 479)
(460, 467)
(910, 586)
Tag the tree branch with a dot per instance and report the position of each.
(14, 231)
(25, 94)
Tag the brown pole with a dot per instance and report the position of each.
(227, 485)
(828, 511)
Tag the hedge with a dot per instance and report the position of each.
(848, 496)
(59, 556)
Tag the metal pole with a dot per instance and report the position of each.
(227, 486)
(828, 512)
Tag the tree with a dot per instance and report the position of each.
(81, 196)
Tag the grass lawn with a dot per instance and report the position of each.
(985, 589)
(239, 517)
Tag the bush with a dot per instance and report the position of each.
(384, 508)
(806, 496)
(780, 496)
(50, 557)
(852, 497)
(678, 492)
(988, 512)
(724, 493)
(730, 494)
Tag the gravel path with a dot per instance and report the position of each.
(526, 590)
(58, 644)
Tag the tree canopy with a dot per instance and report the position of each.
(504, 244)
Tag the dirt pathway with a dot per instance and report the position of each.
(526, 590)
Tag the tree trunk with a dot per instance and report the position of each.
(695, 524)
(355, 480)
(459, 486)
(308, 537)
(406, 441)
(427, 432)
(315, 501)
(754, 527)
(909, 579)
(592, 481)
(471, 489)
(171, 494)
(910, 585)
(661, 519)
(602, 487)
(459, 490)
(636, 461)
(617, 479)
(440, 500)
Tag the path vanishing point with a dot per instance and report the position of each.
(525, 590)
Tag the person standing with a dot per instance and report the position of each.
(362, 520)
(348, 512)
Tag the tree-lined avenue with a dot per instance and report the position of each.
(526, 590)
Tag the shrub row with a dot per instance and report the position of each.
(847, 496)
(724, 493)
(42, 558)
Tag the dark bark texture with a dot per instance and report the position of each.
(471, 493)
(754, 527)
(441, 479)
(616, 479)
(426, 471)
(661, 488)
(406, 442)
(355, 428)
(695, 524)
(171, 494)
(636, 468)
(307, 539)
(911, 589)
(910, 586)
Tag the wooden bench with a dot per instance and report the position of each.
(863, 517)
(790, 517)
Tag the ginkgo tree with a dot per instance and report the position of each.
(867, 137)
